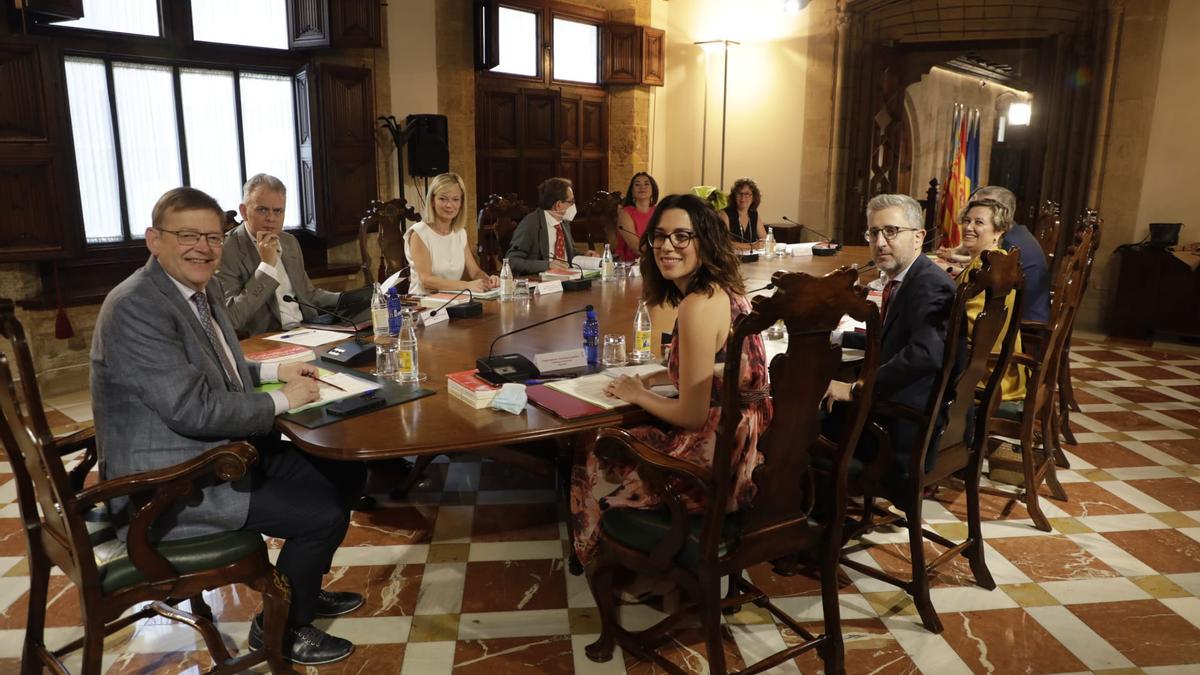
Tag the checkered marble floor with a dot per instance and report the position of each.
(468, 575)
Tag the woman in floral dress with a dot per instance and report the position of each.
(693, 268)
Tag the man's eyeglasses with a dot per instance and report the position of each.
(264, 211)
(679, 238)
(890, 232)
(192, 237)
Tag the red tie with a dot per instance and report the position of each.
(560, 243)
(887, 296)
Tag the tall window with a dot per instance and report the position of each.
(137, 17)
(141, 129)
(254, 23)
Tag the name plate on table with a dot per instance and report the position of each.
(548, 287)
(428, 318)
(564, 360)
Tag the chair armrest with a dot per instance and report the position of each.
(1027, 360)
(656, 469)
(84, 439)
(226, 462)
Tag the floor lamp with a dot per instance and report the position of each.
(710, 46)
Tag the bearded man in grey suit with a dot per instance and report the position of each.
(262, 263)
(169, 382)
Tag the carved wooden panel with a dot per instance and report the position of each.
(569, 168)
(346, 136)
(347, 104)
(654, 45)
(534, 170)
(570, 123)
(500, 115)
(539, 127)
(350, 177)
(593, 175)
(308, 24)
(621, 63)
(31, 203)
(501, 174)
(23, 118)
(354, 23)
(594, 126)
(309, 172)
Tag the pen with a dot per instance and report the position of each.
(288, 336)
(326, 382)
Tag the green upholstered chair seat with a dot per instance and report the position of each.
(1011, 410)
(642, 529)
(193, 554)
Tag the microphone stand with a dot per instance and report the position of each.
(465, 310)
(579, 284)
(353, 352)
(514, 367)
(745, 256)
(826, 248)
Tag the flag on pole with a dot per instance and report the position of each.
(957, 183)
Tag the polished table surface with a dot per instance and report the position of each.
(442, 423)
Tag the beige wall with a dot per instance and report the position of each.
(411, 44)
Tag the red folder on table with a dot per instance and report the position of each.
(564, 405)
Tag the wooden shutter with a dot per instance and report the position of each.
(347, 148)
(308, 24)
(310, 174)
(354, 23)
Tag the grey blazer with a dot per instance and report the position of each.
(529, 252)
(250, 294)
(159, 396)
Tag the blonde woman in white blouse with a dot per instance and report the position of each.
(437, 249)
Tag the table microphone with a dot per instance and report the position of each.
(353, 352)
(828, 247)
(464, 310)
(514, 367)
(866, 268)
(744, 256)
(579, 284)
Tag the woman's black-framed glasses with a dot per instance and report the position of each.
(679, 238)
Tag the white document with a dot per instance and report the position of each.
(548, 287)
(330, 391)
(589, 388)
(635, 371)
(587, 262)
(564, 360)
(393, 280)
(308, 337)
(804, 248)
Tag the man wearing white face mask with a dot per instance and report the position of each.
(542, 240)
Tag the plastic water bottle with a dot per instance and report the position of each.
(408, 367)
(506, 283)
(379, 312)
(769, 243)
(591, 338)
(383, 319)
(607, 271)
(641, 335)
(395, 312)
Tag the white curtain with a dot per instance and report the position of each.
(145, 97)
(255, 23)
(95, 151)
(210, 134)
(139, 17)
(269, 126)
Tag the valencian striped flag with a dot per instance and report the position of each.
(963, 161)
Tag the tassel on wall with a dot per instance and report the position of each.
(62, 323)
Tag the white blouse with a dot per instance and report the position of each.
(446, 253)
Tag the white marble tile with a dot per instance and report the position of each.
(370, 630)
(1085, 591)
(453, 525)
(1112, 555)
(1089, 436)
(1082, 421)
(1188, 582)
(1165, 420)
(929, 651)
(1135, 497)
(585, 666)
(462, 477)
(758, 641)
(579, 594)
(516, 550)
(154, 638)
(1101, 407)
(1193, 532)
(441, 588)
(808, 607)
(516, 497)
(638, 617)
(8, 562)
(8, 493)
(1170, 405)
(1070, 475)
(428, 658)
(1087, 646)
(1118, 373)
(1173, 393)
(1188, 608)
(969, 599)
(77, 397)
(1156, 435)
(1123, 522)
(1013, 527)
(394, 554)
(81, 413)
(1003, 571)
(488, 625)
(1149, 452)
(1142, 472)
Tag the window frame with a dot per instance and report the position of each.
(547, 11)
(575, 17)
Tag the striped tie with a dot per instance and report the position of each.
(231, 377)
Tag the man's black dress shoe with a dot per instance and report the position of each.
(337, 603)
(306, 645)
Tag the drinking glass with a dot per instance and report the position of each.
(777, 331)
(521, 293)
(614, 351)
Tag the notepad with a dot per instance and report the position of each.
(308, 337)
(350, 386)
(588, 388)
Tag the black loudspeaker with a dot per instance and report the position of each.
(428, 145)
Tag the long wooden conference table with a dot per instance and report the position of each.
(441, 423)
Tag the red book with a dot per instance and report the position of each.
(564, 405)
(468, 380)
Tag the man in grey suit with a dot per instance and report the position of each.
(169, 382)
(262, 263)
(542, 239)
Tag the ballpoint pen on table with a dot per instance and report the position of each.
(327, 382)
(288, 336)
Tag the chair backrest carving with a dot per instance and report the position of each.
(1046, 229)
(389, 221)
(596, 223)
(777, 522)
(972, 379)
(498, 219)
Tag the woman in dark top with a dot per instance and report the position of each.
(741, 216)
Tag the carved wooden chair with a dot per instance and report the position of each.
(1037, 421)
(1046, 230)
(112, 576)
(498, 219)
(231, 221)
(388, 221)
(966, 391)
(1091, 220)
(797, 510)
(596, 223)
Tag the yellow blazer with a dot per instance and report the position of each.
(1012, 387)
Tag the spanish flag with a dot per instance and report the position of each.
(958, 185)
